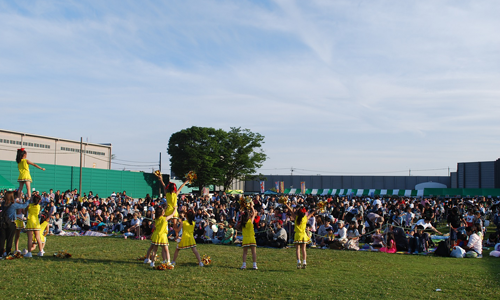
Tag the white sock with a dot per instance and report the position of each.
(305, 262)
(255, 264)
(298, 261)
(244, 264)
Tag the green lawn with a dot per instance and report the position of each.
(107, 268)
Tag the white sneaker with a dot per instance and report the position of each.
(25, 251)
(178, 240)
(152, 264)
(40, 254)
(243, 267)
(28, 255)
(202, 265)
(147, 261)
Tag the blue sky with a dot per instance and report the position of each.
(336, 87)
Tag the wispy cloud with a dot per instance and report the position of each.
(333, 85)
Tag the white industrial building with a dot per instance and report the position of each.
(54, 151)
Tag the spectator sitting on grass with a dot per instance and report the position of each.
(474, 247)
(279, 237)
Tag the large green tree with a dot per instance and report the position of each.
(197, 149)
(218, 157)
(241, 155)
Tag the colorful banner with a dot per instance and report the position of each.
(262, 187)
(282, 187)
(303, 187)
(277, 186)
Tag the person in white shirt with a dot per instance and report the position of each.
(474, 247)
(426, 223)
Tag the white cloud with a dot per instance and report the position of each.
(331, 84)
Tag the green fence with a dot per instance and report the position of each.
(99, 181)
(462, 192)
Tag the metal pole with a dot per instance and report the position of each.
(81, 157)
(160, 163)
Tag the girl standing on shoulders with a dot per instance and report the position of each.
(301, 239)
(24, 171)
(159, 237)
(187, 239)
(171, 195)
(247, 218)
(33, 226)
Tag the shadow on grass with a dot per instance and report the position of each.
(93, 260)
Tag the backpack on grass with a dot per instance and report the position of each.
(443, 249)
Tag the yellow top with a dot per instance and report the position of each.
(300, 231)
(43, 226)
(159, 236)
(24, 171)
(33, 222)
(187, 239)
(248, 234)
(171, 202)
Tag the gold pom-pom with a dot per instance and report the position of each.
(191, 176)
(283, 200)
(158, 173)
(321, 206)
(162, 267)
(62, 254)
(246, 202)
(206, 260)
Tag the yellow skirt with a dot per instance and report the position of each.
(301, 238)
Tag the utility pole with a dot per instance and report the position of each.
(159, 165)
(409, 172)
(81, 159)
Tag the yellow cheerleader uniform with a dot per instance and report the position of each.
(187, 239)
(43, 226)
(33, 222)
(159, 236)
(248, 235)
(24, 171)
(300, 236)
(20, 221)
(171, 202)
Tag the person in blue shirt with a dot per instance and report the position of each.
(8, 230)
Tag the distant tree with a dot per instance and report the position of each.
(241, 155)
(218, 157)
(197, 149)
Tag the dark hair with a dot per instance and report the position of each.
(470, 229)
(420, 227)
(190, 217)
(300, 215)
(244, 218)
(390, 236)
(36, 199)
(8, 198)
(158, 212)
(171, 188)
(20, 154)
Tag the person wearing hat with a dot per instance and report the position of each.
(280, 237)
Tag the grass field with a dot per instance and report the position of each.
(107, 268)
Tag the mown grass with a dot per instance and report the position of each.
(107, 268)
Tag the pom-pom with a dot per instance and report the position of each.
(283, 200)
(158, 173)
(62, 254)
(206, 260)
(321, 206)
(163, 267)
(246, 202)
(191, 176)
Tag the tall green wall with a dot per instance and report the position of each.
(99, 181)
